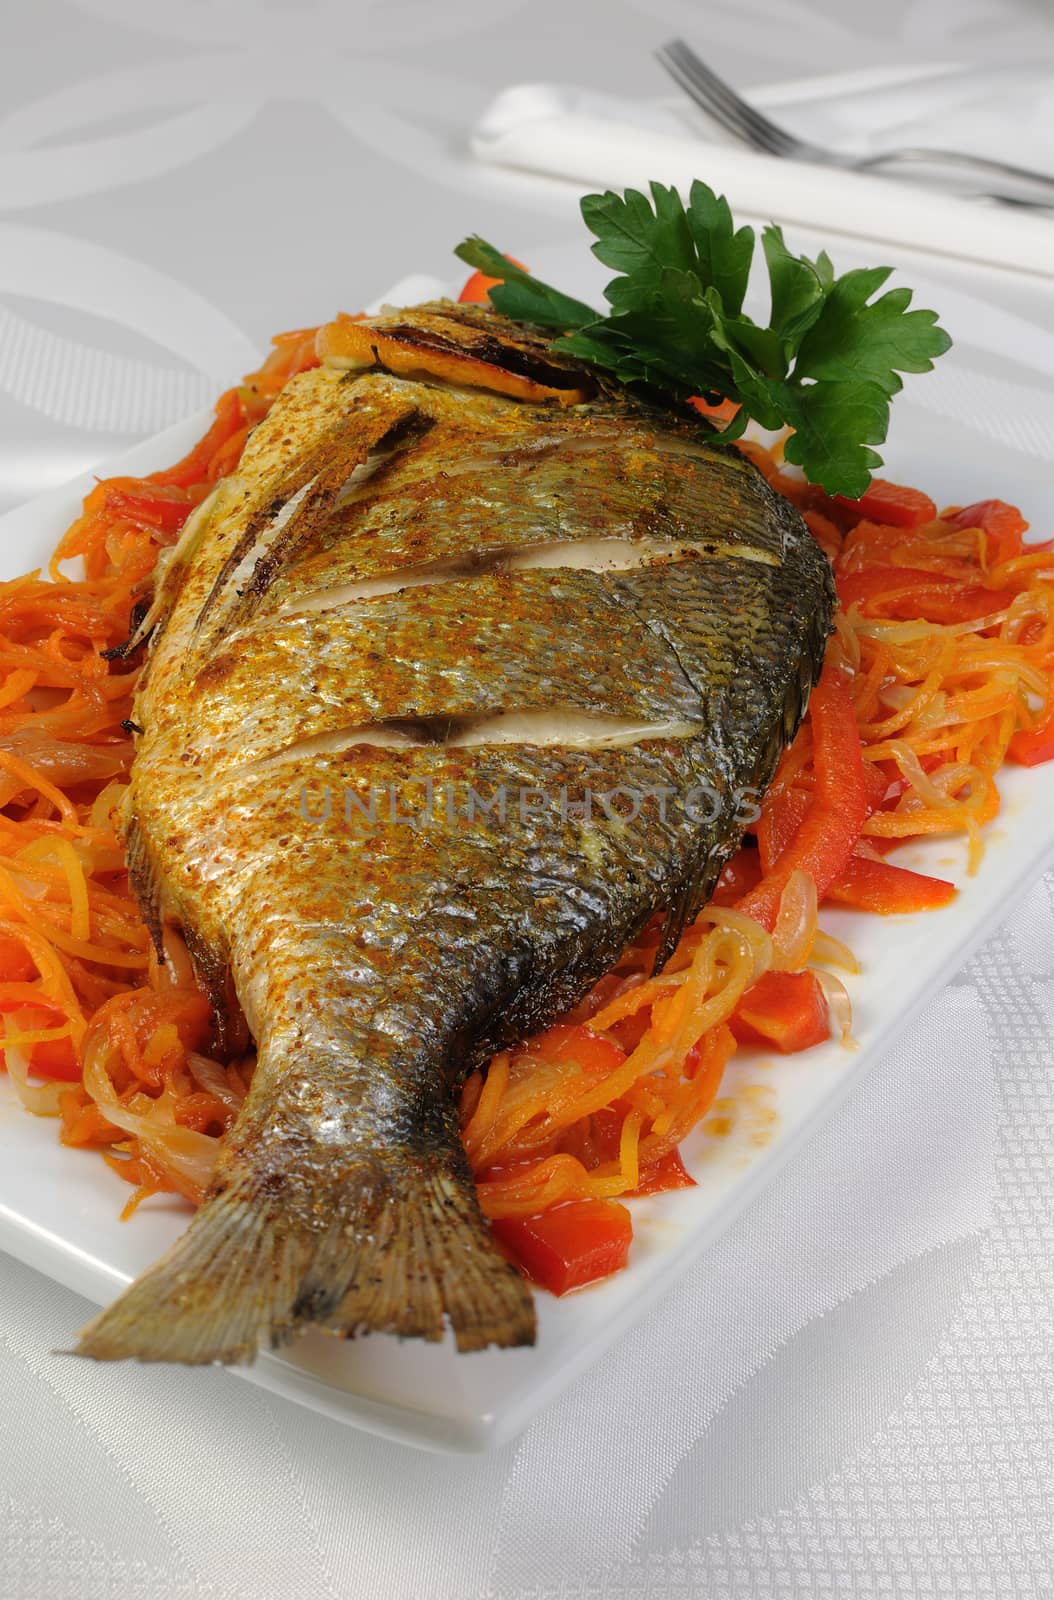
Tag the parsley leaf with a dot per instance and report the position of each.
(724, 254)
(835, 424)
(797, 285)
(634, 239)
(826, 364)
(855, 336)
(520, 296)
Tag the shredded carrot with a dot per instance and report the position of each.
(944, 649)
(76, 962)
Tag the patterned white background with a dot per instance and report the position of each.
(853, 1394)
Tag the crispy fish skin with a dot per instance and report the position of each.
(401, 594)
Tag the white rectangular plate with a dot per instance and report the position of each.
(58, 1207)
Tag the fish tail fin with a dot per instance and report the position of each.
(264, 1259)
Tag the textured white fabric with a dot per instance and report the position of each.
(1005, 112)
(852, 1395)
(602, 141)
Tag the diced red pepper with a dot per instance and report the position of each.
(839, 807)
(876, 783)
(785, 1009)
(1032, 748)
(826, 533)
(740, 875)
(602, 991)
(572, 1041)
(892, 503)
(1003, 524)
(887, 889)
(603, 1139)
(667, 1173)
(720, 411)
(631, 1030)
(56, 1059)
(893, 785)
(16, 964)
(569, 1245)
(477, 288)
(871, 544)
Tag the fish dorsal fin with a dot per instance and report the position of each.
(171, 569)
(297, 505)
(144, 879)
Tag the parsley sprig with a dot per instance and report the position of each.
(827, 365)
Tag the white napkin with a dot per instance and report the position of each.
(591, 138)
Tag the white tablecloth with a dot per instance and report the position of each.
(853, 1394)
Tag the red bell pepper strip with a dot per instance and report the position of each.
(194, 466)
(227, 456)
(569, 1245)
(161, 506)
(891, 503)
(1003, 524)
(876, 782)
(869, 885)
(784, 811)
(839, 808)
(881, 887)
(910, 592)
(785, 1009)
(782, 814)
(477, 287)
(873, 544)
(475, 290)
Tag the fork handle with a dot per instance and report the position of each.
(978, 166)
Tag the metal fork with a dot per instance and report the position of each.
(719, 100)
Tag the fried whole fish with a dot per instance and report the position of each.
(458, 679)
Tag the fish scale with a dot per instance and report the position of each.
(402, 829)
(366, 661)
(550, 495)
